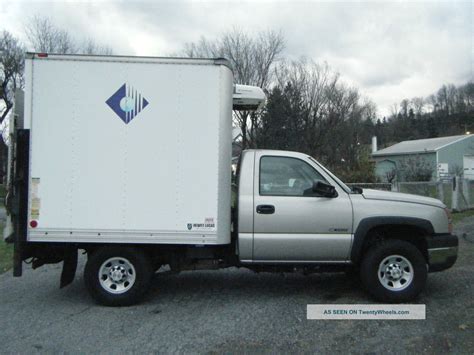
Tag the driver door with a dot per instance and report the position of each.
(291, 223)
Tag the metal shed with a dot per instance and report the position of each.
(444, 156)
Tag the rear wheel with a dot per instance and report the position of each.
(394, 271)
(118, 276)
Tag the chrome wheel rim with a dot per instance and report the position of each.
(117, 275)
(395, 273)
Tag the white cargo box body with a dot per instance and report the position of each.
(129, 150)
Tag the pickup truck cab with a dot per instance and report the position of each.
(292, 210)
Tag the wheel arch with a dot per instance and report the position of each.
(410, 229)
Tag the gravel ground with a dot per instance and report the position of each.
(231, 311)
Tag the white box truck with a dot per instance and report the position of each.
(129, 159)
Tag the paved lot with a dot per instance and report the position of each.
(233, 311)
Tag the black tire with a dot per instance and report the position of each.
(140, 270)
(387, 251)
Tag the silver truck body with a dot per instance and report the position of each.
(139, 176)
(313, 229)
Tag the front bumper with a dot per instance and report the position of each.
(442, 251)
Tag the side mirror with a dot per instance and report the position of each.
(324, 190)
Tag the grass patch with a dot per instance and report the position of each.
(6, 253)
(6, 256)
(459, 216)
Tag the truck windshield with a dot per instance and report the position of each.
(334, 177)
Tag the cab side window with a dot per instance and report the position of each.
(285, 176)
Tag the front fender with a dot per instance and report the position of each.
(366, 224)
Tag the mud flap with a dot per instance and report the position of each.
(69, 267)
(17, 260)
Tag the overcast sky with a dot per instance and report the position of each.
(389, 50)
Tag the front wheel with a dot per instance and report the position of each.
(394, 271)
(117, 276)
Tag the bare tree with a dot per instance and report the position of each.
(252, 58)
(404, 106)
(11, 79)
(418, 103)
(451, 93)
(394, 110)
(468, 95)
(321, 116)
(44, 36)
(442, 99)
(89, 46)
(11, 71)
(311, 85)
(432, 103)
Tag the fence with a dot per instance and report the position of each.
(456, 193)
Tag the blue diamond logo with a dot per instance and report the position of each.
(127, 103)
